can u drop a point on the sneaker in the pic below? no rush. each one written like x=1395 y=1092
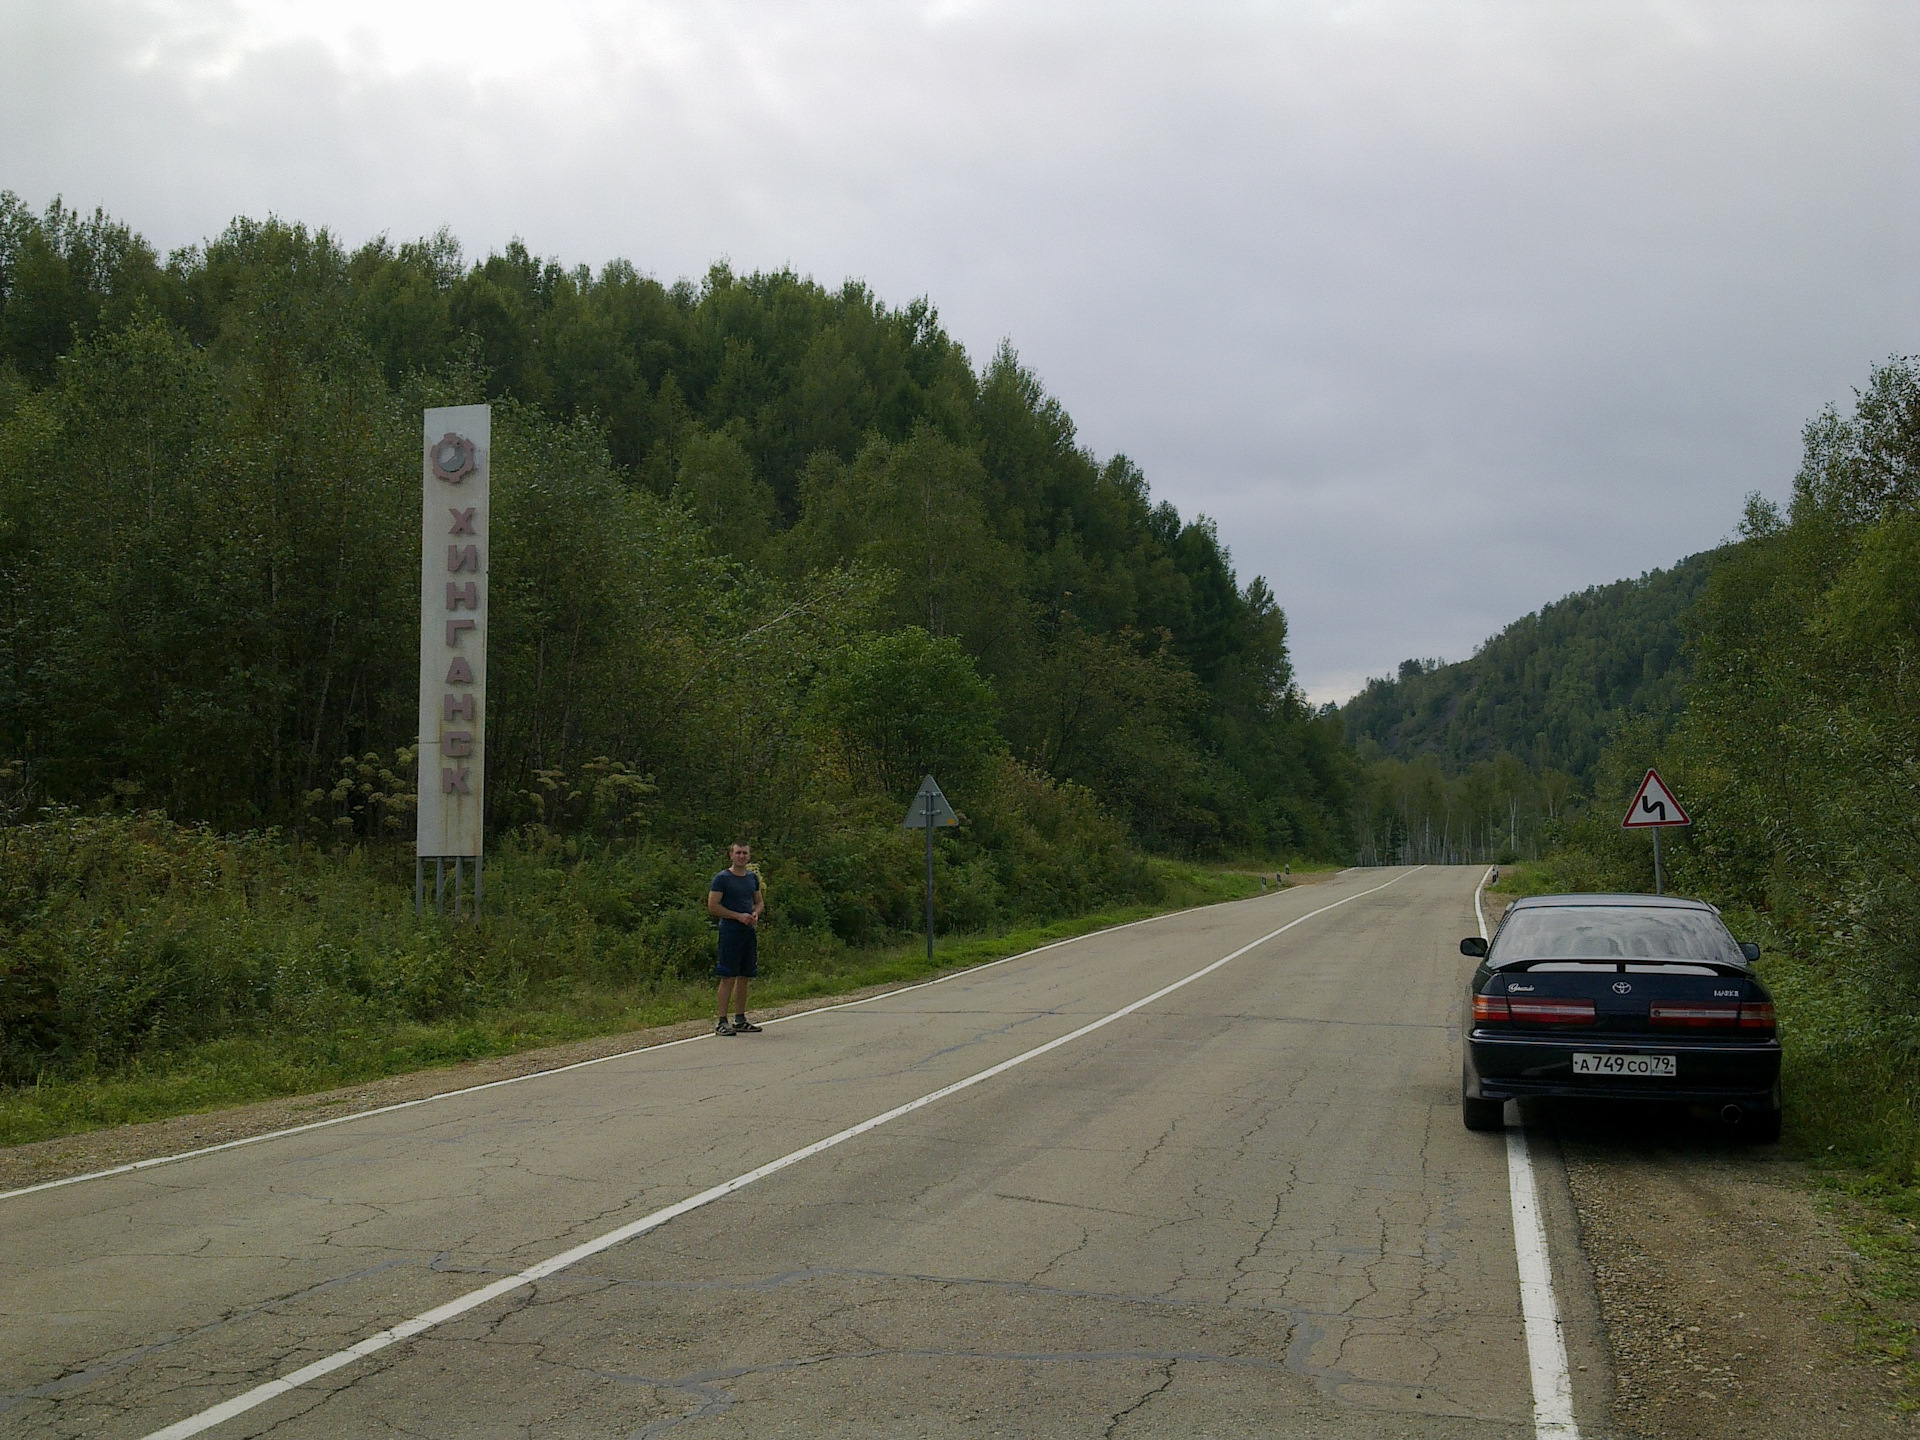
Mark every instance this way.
x=744 y=1026
x=724 y=1027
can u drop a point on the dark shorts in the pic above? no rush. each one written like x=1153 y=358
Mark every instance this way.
x=739 y=952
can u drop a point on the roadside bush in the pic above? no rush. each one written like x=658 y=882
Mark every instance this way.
x=1066 y=852
x=128 y=937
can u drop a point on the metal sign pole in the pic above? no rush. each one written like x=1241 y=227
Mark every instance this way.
x=1654 y=807
x=929 y=812
x=930 y=808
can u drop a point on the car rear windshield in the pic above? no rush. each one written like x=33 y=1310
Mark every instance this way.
x=1613 y=932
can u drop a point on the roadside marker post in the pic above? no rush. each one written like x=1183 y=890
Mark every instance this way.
x=929 y=808
x=1654 y=808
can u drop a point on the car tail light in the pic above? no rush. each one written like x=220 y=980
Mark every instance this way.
x=1694 y=1015
x=1757 y=1015
x=1552 y=1011
x=1490 y=1009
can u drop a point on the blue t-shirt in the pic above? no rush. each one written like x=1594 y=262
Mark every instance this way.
x=736 y=894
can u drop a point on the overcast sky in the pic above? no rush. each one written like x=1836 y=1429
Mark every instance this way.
x=1441 y=310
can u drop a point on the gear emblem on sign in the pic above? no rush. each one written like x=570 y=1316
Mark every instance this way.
x=451 y=458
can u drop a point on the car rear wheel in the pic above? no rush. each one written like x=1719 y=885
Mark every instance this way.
x=1483 y=1114
x=1762 y=1127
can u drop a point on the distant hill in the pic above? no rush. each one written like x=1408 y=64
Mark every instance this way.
x=1550 y=688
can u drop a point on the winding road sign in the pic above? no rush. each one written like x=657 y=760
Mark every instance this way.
x=1654 y=806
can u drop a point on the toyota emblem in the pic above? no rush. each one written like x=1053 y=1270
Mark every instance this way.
x=1621 y=987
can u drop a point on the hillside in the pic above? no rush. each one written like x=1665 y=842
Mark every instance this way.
x=714 y=497
x=1550 y=688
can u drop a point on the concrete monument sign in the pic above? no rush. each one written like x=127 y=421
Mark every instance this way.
x=453 y=633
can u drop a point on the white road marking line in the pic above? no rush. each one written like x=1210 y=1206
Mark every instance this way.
x=1539 y=1308
x=260 y=1394
x=1546 y=1347
x=148 y=1164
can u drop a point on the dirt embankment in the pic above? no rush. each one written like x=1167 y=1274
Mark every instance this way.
x=1729 y=1293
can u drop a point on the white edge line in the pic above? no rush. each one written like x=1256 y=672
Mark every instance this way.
x=260 y=1394
x=148 y=1164
x=1539 y=1308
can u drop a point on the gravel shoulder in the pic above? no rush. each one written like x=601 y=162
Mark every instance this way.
x=1726 y=1285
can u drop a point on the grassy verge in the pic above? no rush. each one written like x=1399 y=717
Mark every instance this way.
x=239 y=1068
x=1879 y=1223
x=1849 y=1112
x=1529 y=877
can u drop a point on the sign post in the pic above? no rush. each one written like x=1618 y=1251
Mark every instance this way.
x=456 y=466
x=1654 y=808
x=929 y=808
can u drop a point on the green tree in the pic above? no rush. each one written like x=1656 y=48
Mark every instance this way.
x=916 y=509
x=717 y=484
x=835 y=469
x=907 y=704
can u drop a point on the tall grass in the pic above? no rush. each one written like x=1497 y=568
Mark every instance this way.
x=154 y=969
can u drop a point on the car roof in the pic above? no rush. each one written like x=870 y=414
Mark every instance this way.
x=1652 y=902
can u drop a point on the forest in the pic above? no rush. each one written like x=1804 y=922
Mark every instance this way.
x=1482 y=759
x=1551 y=688
x=764 y=554
x=713 y=499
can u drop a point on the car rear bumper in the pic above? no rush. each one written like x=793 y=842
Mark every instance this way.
x=1503 y=1067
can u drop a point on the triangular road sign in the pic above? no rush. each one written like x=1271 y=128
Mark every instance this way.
x=917 y=812
x=1654 y=806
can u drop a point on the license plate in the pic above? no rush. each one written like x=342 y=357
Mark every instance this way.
x=1655 y=1065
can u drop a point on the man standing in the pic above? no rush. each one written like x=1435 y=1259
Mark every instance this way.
x=736 y=898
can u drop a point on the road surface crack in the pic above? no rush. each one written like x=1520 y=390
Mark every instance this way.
x=1119 y=1418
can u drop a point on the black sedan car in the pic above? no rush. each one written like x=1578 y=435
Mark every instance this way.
x=1619 y=997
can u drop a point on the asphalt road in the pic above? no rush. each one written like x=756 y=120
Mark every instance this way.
x=1247 y=1208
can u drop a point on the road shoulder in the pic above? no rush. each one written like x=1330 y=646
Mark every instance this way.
x=62 y=1156
x=87 y=1151
x=1726 y=1287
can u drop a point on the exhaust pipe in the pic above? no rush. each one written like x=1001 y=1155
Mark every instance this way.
x=1731 y=1114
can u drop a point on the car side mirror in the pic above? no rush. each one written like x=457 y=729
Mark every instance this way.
x=1475 y=946
x=1749 y=949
